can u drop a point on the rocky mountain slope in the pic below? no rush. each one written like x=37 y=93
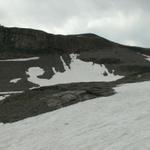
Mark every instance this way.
x=41 y=72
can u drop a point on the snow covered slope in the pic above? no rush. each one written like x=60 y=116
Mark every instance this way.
x=79 y=71
x=118 y=122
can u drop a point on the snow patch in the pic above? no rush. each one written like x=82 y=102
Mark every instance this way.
x=21 y=59
x=15 y=80
x=3 y=97
x=79 y=71
x=11 y=92
x=147 y=57
x=35 y=71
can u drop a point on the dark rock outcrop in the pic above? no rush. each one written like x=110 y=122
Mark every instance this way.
x=38 y=101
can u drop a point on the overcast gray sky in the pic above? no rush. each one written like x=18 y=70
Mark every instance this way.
x=123 y=21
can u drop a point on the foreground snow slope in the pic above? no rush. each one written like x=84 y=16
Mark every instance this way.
x=118 y=122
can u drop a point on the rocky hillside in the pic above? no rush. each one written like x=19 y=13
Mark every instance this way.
x=41 y=72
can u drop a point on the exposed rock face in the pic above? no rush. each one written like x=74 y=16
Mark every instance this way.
x=21 y=40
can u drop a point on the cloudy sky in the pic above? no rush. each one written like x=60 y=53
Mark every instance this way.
x=123 y=21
